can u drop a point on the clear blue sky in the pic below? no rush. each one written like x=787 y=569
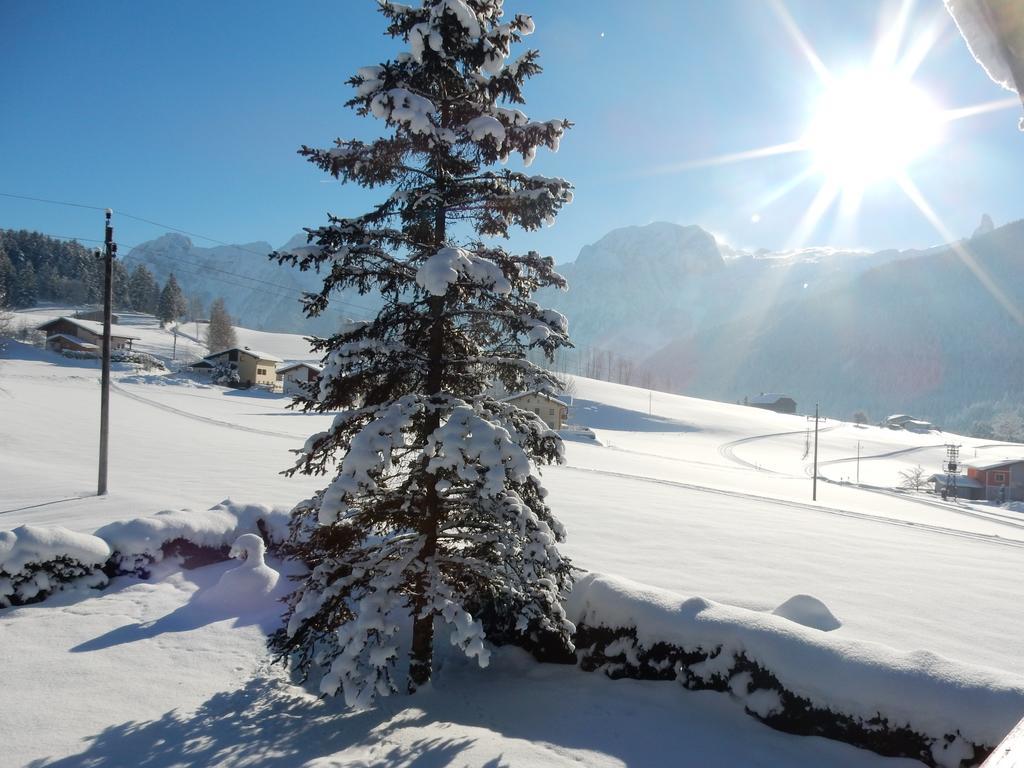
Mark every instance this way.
x=189 y=113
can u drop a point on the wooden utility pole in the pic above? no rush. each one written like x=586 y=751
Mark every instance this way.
x=109 y=249
x=817 y=419
x=858 y=462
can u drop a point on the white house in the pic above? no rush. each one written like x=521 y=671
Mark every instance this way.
x=253 y=367
x=552 y=411
x=292 y=375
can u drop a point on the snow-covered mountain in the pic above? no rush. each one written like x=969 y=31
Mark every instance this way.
x=935 y=333
x=259 y=293
x=638 y=288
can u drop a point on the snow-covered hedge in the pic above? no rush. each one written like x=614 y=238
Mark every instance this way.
x=37 y=561
x=794 y=678
x=200 y=537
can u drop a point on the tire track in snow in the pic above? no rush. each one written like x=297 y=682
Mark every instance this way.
x=923 y=527
x=196 y=417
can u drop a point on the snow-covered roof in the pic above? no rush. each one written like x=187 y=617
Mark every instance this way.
x=961 y=481
x=91 y=326
x=247 y=351
x=767 y=398
x=545 y=395
x=993 y=463
x=73 y=339
x=300 y=364
x=204 y=363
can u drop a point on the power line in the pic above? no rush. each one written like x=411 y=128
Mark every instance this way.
x=168 y=227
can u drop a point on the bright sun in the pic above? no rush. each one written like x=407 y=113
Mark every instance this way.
x=870 y=127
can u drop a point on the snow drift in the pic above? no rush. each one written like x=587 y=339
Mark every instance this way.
x=796 y=678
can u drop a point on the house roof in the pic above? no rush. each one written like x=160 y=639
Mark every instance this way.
x=545 y=395
x=91 y=326
x=300 y=364
x=993 y=463
x=961 y=481
x=204 y=363
x=73 y=339
x=247 y=351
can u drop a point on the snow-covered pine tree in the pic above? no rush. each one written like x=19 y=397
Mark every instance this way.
x=437 y=513
x=172 y=305
x=220 y=333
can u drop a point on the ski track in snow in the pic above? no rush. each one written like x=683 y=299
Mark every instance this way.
x=196 y=417
x=728 y=450
x=923 y=527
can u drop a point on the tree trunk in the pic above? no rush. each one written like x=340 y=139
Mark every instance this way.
x=421 y=653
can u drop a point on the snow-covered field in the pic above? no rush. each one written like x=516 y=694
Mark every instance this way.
x=698 y=497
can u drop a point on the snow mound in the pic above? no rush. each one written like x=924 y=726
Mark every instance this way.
x=926 y=692
x=251 y=582
x=35 y=544
x=145 y=537
x=35 y=561
x=808 y=611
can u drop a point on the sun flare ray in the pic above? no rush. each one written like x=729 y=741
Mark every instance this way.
x=962 y=251
x=732 y=157
x=797 y=35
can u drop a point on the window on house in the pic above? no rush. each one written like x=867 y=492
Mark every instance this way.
x=998 y=477
x=233 y=355
x=551 y=411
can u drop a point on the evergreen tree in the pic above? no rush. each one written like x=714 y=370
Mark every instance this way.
x=143 y=291
x=120 y=286
x=220 y=333
x=6 y=275
x=172 y=303
x=23 y=286
x=436 y=511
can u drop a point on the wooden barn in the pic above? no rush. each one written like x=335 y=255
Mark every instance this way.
x=74 y=334
x=772 y=401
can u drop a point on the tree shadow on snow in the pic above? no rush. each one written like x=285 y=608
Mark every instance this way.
x=263 y=724
x=543 y=709
x=589 y=413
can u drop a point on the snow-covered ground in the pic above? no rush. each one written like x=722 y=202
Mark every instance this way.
x=698 y=497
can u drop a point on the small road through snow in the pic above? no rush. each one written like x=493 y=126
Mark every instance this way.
x=196 y=417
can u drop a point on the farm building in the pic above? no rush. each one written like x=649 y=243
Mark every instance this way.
x=552 y=411
x=909 y=423
x=966 y=487
x=73 y=334
x=1001 y=479
x=772 y=401
x=254 y=368
x=292 y=375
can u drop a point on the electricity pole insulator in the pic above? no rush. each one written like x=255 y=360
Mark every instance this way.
x=109 y=249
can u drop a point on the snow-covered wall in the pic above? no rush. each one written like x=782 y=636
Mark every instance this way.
x=795 y=678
